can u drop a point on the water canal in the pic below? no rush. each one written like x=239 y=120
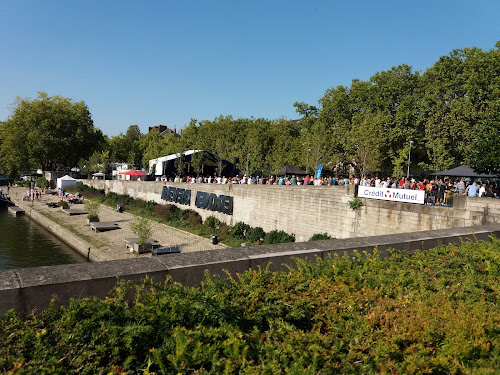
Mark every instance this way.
x=24 y=243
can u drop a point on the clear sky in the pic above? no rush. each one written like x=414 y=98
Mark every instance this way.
x=164 y=62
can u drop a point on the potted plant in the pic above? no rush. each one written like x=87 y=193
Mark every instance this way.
x=63 y=204
x=142 y=229
x=92 y=207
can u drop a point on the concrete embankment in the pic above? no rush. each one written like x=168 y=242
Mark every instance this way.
x=108 y=245
x=76 y=242
x=31 y=290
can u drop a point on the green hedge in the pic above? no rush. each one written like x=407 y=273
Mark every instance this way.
x=432 y=312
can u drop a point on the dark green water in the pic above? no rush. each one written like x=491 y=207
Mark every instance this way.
x=24 y=243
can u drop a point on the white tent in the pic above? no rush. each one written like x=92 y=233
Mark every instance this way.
x=64 y=182
x=159 y=162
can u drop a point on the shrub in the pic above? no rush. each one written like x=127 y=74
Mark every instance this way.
x=42 y=183
x=320 y=236
x=150 y=206
x=239 y=230
x=355 y=203
x=142 y=229
x=212 y=222
x=223 y=231
x=278 y=237
x=192 y=217
x=166 y=212
x=63 y=204
x=92 y=207
x=255 y=235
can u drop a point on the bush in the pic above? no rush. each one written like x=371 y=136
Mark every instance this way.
x=223 y=231
x=192 y=217
x=212 y=222
x=255 y=235
x=320 y=236
x=142 y=229
x=275 y=236
x=92 y=207
x=150 y=206
x=239 y=230
x=42 y=183
x=435 y=311
x=355 y=203
x=63 y=204
x=166 y=212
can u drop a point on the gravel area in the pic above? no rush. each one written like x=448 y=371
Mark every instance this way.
x=111 y=243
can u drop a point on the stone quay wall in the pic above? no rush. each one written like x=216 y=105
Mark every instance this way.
x=307 y=210
x=30 y=290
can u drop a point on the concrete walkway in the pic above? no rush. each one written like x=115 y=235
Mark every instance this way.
x=110 y=245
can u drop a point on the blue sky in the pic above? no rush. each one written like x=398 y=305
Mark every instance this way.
x=164 y=62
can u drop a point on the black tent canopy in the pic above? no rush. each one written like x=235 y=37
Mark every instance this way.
x=291 y=169
x=463 y=171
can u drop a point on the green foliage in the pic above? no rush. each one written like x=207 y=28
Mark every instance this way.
x=192 y=217
x=255 y=235
x=435 y=311
x=42 y=183
x=142 y=228
x=167 y=212
x=319 y=237
x=63 y=204
x=92 y=207
x=275 y=236
x=355 y=203
x=212 y=222
x=239 y=230
x=47 y=132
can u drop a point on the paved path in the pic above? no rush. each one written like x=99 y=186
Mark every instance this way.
x=111 y=244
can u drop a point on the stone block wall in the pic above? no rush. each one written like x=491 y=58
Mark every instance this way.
x=307 y=210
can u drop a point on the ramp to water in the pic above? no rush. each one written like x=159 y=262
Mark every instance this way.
x=16 y=210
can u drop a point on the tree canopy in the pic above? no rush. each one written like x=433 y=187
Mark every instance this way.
x=47 y=133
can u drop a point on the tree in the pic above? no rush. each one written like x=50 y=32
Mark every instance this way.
x=47 y=133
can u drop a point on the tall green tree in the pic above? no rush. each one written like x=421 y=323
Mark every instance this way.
x=47 y=133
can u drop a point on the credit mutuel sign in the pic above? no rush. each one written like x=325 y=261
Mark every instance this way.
x=394 y=195
x=206 y=201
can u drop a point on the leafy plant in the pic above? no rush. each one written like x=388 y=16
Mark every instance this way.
x=255 y=235
x=355 y=203
x=239 y=230
x=92 y=207
x=212 y=222
x=42 y=183
x=319 y=237
x=142 y=228
x=276 y=236
x=63 y=204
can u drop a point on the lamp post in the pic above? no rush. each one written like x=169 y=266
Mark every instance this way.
x=409 y=158
x=307 y=165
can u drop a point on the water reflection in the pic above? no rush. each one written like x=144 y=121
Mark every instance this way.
x=24 y=243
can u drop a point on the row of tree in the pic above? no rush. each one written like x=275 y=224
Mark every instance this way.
x=448 y=115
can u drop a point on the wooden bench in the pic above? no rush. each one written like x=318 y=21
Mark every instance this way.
x=129 y=242
x=165 y=250
x=101 y=226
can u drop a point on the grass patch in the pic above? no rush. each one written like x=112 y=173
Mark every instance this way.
x=71 y=228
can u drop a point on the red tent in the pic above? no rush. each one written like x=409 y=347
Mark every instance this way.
x=134 y=172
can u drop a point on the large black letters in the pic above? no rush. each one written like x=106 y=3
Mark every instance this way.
x=176 y=195
x=205 y=201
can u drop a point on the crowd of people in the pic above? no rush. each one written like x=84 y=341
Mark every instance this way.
x=439 y=190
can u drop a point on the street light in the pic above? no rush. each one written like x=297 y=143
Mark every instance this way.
x=409 y=158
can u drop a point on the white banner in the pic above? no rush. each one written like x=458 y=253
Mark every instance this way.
x=395 y=195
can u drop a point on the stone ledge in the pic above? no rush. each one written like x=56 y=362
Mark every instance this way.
x=31 y=289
